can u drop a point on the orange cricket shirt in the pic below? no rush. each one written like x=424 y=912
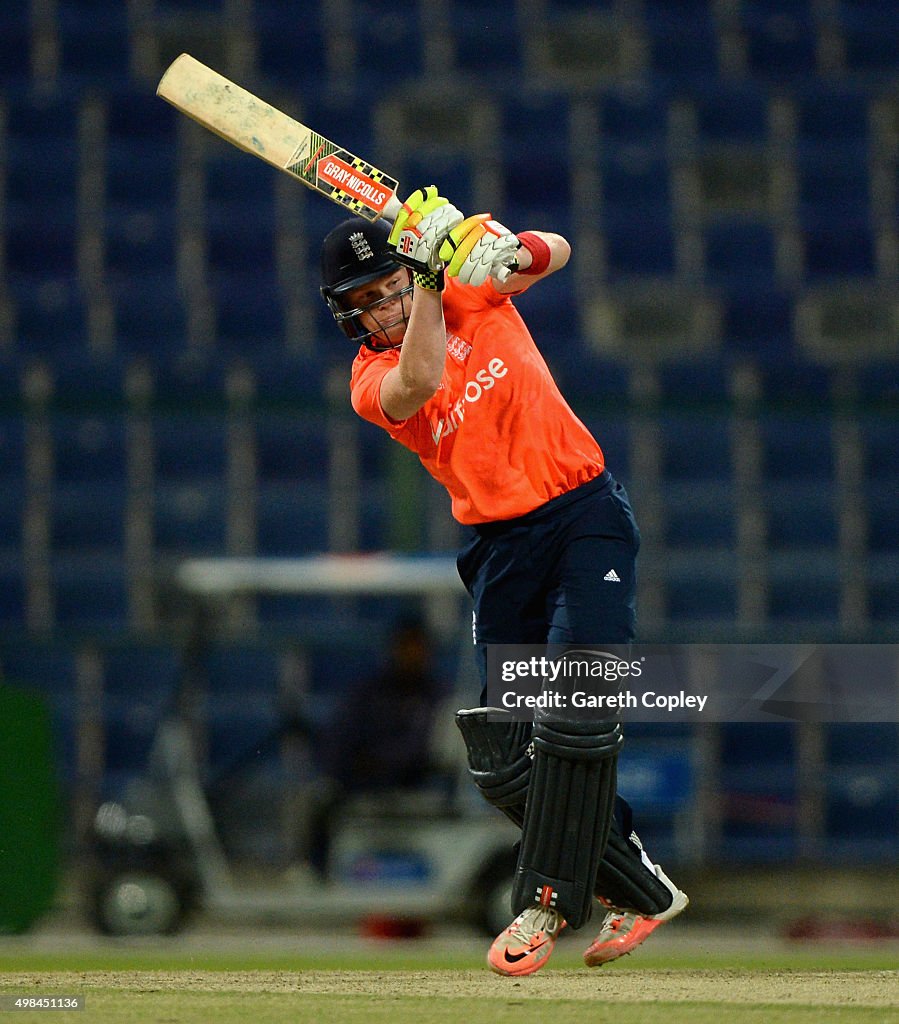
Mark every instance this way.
x=497 y=433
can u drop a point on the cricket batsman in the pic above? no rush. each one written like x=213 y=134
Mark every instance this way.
x=447 y=367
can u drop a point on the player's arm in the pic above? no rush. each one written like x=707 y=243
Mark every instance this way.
x=539 y=254
x=407 y=386
x=481 y=247
x=421 y=226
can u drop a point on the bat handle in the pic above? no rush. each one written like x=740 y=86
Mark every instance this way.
x=392 y=208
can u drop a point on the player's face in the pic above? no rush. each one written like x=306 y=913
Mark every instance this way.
x=385 y=309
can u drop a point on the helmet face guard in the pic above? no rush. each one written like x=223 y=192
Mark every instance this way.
x=354 y=254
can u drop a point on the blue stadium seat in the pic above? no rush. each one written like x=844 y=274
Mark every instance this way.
x=883 y=602
x=150 y=316
x=139 y=684
x=781 y=43
x=535 y=174
x=94 y=45
x=89 y=447
x=830 y=117
x=833 y=189
x=41 y=242
x=683 y=43
x=291 y=447
x=634 y=114
x=641 y=248
x=801 y=514
x=804 y=588
x=12 y=448
x=189 y=517
x=880 y=440
x=700 y=596
x=699 y=515
x=51 y=314
x=635 y=187
x=730 y=112
x=89 y=515
x=13 y=609
x=188 y=380
x=691 y=449
x=453 y=170
x=90 y=591
x=291 y=52
x=249 y=310
x=292 y=518
x=39 y=124
x=758 y=321
x=15 y=48
x=242 y=700
x=797 y=447
x=839 y=250
x=241 y=241
x=488 y=41
x=141 y=197
x=740 y=253
x=759 y=790
x=883 y=524
x=190 y=445
x=869 y=36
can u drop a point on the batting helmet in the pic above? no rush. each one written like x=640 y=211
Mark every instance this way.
x=354 y=253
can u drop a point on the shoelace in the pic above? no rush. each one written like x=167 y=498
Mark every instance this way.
x=535 y=919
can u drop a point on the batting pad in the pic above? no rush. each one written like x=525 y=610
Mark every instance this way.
x=567 y=816
x=624 y=880
x=498 y=760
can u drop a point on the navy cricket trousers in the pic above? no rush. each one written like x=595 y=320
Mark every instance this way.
x=564 y=573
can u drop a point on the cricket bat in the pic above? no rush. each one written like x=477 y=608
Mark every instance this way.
x=255 y=126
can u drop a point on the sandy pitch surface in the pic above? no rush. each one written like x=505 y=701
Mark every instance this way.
x=817 y=988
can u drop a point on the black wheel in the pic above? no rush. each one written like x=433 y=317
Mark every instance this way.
x=137 y=902
x=491 y=895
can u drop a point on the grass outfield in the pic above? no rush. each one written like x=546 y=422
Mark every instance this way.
x=429 y=982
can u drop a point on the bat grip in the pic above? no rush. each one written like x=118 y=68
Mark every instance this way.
x=391 y=209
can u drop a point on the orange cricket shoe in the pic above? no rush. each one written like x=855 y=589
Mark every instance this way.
x=525 y=946
x=623 y=930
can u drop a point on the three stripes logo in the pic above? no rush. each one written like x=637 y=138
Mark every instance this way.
x=612 y=577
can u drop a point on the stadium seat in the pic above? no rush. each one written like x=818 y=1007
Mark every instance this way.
x=290 y=447
x=94 y=46
x=189 y=517
x=634 y=114
x=13 y=609
x=292 y=518
x=139 y=685
x=801 y=514
x=189 y=445
x=89 y=515
x=89 y=447
x=682 y=42
x=780 y=42
x=690 y=450
x=249 y=309
x=150 y=316
x=740 y=254
x=90 y=592
x=797 y=447
x=699 y=515
x=804 y=588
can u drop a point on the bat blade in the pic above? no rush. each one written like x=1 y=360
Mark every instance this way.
x=258 y=128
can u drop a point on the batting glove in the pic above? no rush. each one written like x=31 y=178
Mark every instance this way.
x=479 y=248
x=422 y=224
